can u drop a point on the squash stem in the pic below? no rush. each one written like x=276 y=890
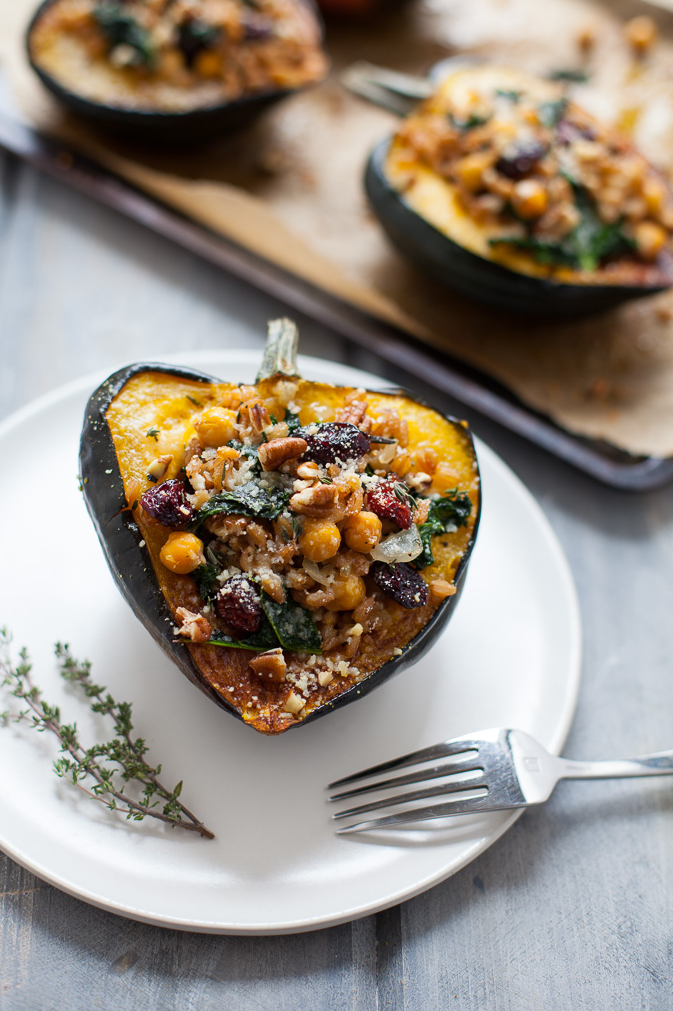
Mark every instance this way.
x=280 y=353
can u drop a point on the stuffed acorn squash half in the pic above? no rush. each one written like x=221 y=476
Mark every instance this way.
x=290 y=545
x=511 y=194
x=175 y=71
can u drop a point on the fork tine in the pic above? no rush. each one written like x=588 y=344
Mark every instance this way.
x=443 y=790
x=442 y=750
x=451 y=769
x=475 y=805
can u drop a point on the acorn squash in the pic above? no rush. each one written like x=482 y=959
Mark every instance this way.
x=168 y=73
x=509 y=193
x=290 y=545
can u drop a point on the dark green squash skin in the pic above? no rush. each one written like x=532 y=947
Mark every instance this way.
x=474 y=276
x=134 y=574
x=165 y=128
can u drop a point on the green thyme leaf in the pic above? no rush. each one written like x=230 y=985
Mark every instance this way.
x=105 y=768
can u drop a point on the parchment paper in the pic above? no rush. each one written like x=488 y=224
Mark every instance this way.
x=289 y=188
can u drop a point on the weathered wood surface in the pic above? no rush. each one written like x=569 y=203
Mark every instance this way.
x=572 y=909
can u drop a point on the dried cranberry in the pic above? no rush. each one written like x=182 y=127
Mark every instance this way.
x=391 y=500
x=335 y=440
x=167 y=502
x=519 y=161
x=238 y=605
x=402 y=583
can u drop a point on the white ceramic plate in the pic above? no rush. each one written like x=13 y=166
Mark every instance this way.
x=509 y=657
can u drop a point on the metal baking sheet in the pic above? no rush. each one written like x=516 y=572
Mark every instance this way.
x=472 y=388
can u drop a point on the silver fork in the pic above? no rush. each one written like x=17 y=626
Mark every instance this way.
x=491 y=770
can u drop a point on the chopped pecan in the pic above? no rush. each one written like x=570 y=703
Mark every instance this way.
x=355 y=413
x=390 y=424
x=270 y=664
x=274 y=454
x=422 y=510
x=293 y=704
x=441 y=588
x=193 y=626
x=158 y=467
x=420 y=482
x=318 y=501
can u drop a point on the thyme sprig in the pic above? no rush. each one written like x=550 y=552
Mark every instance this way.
x=104 y=768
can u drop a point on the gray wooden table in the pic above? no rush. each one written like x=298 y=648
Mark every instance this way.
x=571 y=909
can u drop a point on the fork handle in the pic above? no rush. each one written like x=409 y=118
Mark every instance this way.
x=659 y=764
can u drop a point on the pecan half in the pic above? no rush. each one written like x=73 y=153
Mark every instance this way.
x=254 y=417
x=317 y=502
x=274 y=454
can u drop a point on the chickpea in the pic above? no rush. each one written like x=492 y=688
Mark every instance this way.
x=319 y=539
x=363 y=532
x=650 y=240
x=640 y=33
x=402 y=463
x=182 y=553
x=470 y=169
x=529 y=199
x=216 y=426
x=586 y=37
x=654 y=193
x=208 y=63
x=349 y=592
x=171 y=65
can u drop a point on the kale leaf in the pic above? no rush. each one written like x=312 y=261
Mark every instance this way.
x=288 y=625
x=293 y=625
x=509 y=94
x=121 y=28
x=551 y=113
x=259 y=642
x=205 y=578
x=248 y=500
x=451 y=511
x=569 y=74
x=467 y=123
x=292 y=421
x=591 y=242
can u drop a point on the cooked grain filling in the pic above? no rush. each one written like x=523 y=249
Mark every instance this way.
x=151 y=51
x=299 y=536
x=558 y=185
